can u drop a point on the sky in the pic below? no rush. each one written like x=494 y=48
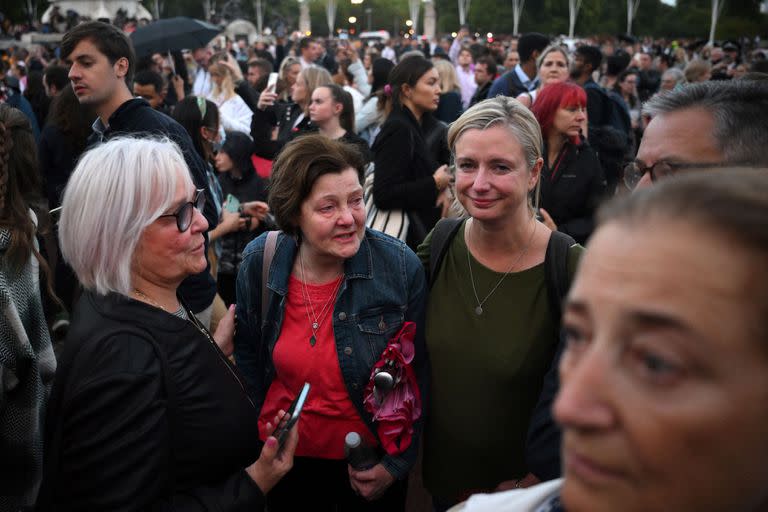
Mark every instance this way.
x=669 y=2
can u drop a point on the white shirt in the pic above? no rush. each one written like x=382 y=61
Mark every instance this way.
x=234 y=113
x=202 y=84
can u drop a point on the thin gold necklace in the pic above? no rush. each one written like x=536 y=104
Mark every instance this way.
x=149 y=299
x=316 y=320
x=479 y=308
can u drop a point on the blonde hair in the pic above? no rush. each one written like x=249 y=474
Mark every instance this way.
x=116 y=191
x=314 y=77
x=509 y=113
x=227 y=88
x=449 y=82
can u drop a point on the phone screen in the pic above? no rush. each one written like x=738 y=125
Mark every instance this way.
x=272 y=81
x=281 y=432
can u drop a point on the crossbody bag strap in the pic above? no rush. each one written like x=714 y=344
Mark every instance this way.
x=556 y=271
x=269 y=254
x=442 y=234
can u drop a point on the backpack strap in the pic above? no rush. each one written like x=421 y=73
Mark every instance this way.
x=556 y=271
x=442 y=234
x=269 y=254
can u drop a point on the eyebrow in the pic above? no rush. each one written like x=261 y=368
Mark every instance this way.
x=643 y=318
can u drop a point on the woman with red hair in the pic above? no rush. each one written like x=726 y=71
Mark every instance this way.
x=572 y=182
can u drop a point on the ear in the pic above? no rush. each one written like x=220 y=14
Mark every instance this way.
x=337 y=108
x=121 y=67
x=533 y=179
x=405 y=91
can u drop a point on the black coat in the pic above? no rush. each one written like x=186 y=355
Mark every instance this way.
x=572 y=187
x=403 y=172
x=248 y=188
x=146 y=414
x=481 y=93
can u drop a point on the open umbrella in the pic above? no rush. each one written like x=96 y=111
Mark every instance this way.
x=172 y=34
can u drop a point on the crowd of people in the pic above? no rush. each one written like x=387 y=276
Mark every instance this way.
x=538 y=266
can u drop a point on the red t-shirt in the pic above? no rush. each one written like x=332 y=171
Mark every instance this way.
x=328 y=413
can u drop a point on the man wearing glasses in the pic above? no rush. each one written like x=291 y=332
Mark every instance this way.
x=701 y=126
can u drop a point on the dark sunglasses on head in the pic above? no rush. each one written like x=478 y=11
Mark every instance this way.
x=186 y=212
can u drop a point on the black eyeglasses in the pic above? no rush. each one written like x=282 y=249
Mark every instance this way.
x=186 y=212
x=635 y=171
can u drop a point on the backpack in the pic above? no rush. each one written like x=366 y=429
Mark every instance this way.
x=611 y=137
x=555 y=261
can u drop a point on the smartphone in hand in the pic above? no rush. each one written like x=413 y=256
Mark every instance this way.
x=294 y=411
x=272 y=82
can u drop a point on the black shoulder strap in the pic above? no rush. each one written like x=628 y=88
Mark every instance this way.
x=442 y=234
x=556 y=271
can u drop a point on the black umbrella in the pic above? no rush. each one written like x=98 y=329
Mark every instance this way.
x=172 y=34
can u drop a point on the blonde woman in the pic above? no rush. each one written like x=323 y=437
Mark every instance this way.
x=291 y=119
x=235 y=114
x=289 y=71
x=492 y=327
x=450 y=108
x=552 y=68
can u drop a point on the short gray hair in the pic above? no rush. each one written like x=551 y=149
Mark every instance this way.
x=675 y=74
x=739 y=109
x=549 y=49
x=116 y=191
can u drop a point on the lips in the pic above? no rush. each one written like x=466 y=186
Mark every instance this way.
x=482 y=203
x=79 y=89
x=588 y=469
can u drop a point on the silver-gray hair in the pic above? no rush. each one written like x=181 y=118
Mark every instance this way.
x=675 y=74
x=116 y=191
x=739 y=109
x=549 y=49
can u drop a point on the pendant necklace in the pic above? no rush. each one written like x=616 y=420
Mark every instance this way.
x=315 y=320
x=479 y=308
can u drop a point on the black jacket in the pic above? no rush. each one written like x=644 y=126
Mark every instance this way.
x=248 y=188
x=282 y=117
x=572 y=188
x=135 y=117
x=57 y=156
x=481 y=93
x=403 y=172
x=146 y=414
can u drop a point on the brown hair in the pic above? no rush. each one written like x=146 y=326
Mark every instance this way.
x=297 y=168
x=20 y=186
x=731 y=202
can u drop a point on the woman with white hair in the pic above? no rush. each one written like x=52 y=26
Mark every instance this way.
x=146 y=410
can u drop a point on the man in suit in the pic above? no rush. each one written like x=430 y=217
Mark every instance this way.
x=522 y=78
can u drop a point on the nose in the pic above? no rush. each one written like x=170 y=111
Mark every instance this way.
x=581 y=114
x=583 y=402
x=345 y=217
x=199 y=222
x=73 y=72
x=481 y=183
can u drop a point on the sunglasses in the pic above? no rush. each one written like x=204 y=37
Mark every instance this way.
x=186 y=212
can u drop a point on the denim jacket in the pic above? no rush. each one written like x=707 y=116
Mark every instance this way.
x=384 y=286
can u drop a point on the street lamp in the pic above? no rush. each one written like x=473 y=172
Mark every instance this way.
x=352 y=20
x=408 y=23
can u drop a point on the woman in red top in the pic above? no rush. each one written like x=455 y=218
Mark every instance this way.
x=336 y=295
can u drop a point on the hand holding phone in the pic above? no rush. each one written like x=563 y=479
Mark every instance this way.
x=272 y=82
x=293 y=413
